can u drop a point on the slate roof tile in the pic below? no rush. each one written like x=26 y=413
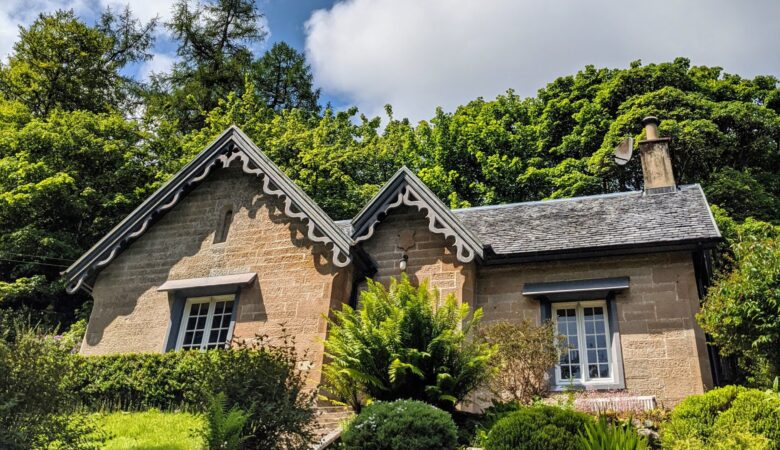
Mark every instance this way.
x=621 y=219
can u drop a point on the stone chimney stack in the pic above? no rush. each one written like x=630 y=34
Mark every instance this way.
x=656 y=161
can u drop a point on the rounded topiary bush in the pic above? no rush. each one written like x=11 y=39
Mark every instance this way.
x=401 y=425
x=718 y=417
x=695 y=416
x=537 y=428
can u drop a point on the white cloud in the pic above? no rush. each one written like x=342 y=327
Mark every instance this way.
x=159 y=63
x=419 y=54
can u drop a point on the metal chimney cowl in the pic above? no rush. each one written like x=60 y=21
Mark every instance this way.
x=656 y=160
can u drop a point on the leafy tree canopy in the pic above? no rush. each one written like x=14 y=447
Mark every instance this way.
x=64 y=181
x=60 y=62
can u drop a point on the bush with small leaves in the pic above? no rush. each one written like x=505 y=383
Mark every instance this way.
x=401 y=425
x=729 y=417
x=537 y=428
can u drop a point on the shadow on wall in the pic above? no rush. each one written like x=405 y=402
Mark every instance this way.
x=178 y=246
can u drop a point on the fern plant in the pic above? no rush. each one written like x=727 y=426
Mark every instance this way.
x=225 y=430
x=405 y=343
x=605 y=435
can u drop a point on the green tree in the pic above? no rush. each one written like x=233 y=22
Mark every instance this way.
x=283 y=78
x=65 y=180
x=60 y=62
x=215 y=56
x=404 y=343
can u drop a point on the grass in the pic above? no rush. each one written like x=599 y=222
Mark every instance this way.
x=150 y=430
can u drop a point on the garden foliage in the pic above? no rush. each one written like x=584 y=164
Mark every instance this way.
x=525 y=354
x=538 y=428
x=406 y=343
x=401 y=425
x=605 y=435
x=260 y=379
x=225 y=427
x=36 y=402
x=742 y=309
x=725 y=417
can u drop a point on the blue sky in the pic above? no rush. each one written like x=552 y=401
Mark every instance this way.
x=420 y=54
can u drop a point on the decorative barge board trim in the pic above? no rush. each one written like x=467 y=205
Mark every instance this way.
x=232 y=145
x=404 y=188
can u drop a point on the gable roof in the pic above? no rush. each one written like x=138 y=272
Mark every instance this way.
x=631 y=222
x=232 y=145
x=628 y=220
x=404 y=188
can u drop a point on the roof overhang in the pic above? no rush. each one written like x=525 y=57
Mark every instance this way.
x=492 y=258
x=577 y=289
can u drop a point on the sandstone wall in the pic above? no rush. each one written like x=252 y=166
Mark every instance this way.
x=296 y=283
x=664 y=351
x=431 y=257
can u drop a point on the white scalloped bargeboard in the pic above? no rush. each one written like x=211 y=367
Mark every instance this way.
x=313 y=233
x=407 y=196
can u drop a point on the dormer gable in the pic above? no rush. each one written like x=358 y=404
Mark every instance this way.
x=405 y=188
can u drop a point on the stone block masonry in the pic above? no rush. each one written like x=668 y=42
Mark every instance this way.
x=296 y=282
x=664 y=350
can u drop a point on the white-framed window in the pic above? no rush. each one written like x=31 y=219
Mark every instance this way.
x=205 y=323
x=587 y=355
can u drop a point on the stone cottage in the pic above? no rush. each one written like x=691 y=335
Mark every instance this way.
x=231 y=248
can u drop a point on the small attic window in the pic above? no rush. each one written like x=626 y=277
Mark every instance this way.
x=224 y=226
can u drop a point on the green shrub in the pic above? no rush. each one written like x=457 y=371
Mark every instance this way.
x=36 y=406
x=225 y=426
x=401 y=425
x=404 y=343
x=525 y=354
x=695 y=416
x=260 y=379
x=605 y=435
x=724 y=418
x=753 y=411
x=537 y=428
x=741 y=310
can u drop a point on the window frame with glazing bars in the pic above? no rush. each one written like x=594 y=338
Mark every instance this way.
x=208 y=327
x=585 y=379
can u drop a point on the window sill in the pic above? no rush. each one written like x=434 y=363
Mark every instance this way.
x=596 y=386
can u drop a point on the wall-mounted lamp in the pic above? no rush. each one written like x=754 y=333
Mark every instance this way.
x=402 y=263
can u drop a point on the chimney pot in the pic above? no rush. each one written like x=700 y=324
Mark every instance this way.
x=651 y=127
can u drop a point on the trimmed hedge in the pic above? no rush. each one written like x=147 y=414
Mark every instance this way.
x=263 y=381
x=723 y=416
x=537 y=428
x=401 y=425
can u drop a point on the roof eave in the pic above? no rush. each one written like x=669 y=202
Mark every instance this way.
x=602 y=251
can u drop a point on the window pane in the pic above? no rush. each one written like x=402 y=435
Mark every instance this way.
x=597 y=342
x=567 y=327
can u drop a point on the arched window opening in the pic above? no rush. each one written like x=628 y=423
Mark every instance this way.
x=224 y=227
